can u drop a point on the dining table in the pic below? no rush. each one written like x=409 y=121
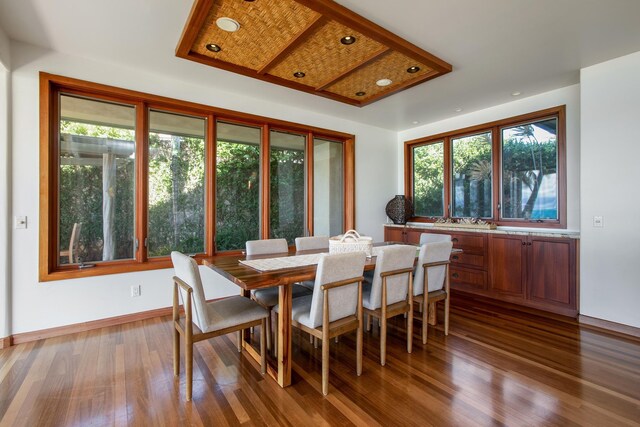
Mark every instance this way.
x=232 y=267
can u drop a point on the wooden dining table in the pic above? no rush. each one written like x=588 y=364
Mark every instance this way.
x=248 y=279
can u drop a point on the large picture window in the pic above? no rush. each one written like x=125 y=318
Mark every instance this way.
x=128 y=177
x=510 y=172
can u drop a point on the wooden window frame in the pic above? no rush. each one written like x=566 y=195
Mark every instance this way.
x=50 y=88
x=495 y=128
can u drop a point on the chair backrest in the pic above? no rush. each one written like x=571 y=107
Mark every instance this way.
x=267 y=246
x=433 y=238
x=431 y=252
x=312 y=243
x=391 y=258
x=343 y=300
x=74 y=253
x=187 y=270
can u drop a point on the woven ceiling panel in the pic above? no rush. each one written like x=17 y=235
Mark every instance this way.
x=392 y=66
x=323 y=56
x=278 y=38
x=266 y=27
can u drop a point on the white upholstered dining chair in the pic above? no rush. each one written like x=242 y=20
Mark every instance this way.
x=204 y=320
x=390 y=291
x=310 y=244
x=431 y=281
x=433 y=238
x=335 y=307
x=268 y=298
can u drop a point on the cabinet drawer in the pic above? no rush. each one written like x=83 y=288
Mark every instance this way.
x=468 y=259
x=467 y=278
x=467 y=243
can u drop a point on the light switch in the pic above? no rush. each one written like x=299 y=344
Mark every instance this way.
x=21 y=222
x=598 y=221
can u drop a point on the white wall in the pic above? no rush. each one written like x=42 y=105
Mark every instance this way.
x=610 y=154
x=569 y=96
x=5 y=167
x=44 y=305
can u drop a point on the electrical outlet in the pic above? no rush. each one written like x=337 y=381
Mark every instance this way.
x=598 y=221
x=136 y=291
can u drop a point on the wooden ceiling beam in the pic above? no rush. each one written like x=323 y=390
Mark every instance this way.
x=375 y=56
x=197 y=16
x=300 y=38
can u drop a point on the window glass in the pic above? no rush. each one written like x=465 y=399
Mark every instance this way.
x=428 y=179
x=96 y=181
x=287 y=190
x=176 y=184
x=328 y=188
x=529 y=171
x=237 y=185
x=471 y=179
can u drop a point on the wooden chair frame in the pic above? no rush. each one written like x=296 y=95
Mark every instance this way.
x=385 y=312
x=193 y=334
x=427 y=300
x=330 y=330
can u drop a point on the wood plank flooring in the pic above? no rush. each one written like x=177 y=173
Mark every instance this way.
x=497 y=367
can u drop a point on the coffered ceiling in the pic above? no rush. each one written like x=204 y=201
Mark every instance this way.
x=315 y=46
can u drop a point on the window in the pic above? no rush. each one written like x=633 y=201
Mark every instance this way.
x=428 y=185
x=96 y=207
x=128 y=177
x=328 y=187
x=510 y=172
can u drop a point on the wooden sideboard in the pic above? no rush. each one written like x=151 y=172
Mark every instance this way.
x=530 y=270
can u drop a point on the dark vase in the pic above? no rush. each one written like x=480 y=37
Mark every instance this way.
x=399 y=209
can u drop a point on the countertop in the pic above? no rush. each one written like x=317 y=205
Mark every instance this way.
x=518 y=231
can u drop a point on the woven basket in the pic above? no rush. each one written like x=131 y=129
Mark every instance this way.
x=350 y=241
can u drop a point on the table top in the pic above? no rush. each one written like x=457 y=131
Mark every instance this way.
x=230 y=268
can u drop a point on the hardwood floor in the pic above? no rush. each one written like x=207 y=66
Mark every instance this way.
x=496 y=367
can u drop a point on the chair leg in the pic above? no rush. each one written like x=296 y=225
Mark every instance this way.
x=239 y=341
x=325 y=362
x=383 y=340
x=176 y=352
x=263 y=347
x=337 y=339
x=446 y=316
x=267 y=331
x=315 y=342
x=410 y=329
x=188 y=358
x=368 y=320
x=425 y=319
x=359 y=350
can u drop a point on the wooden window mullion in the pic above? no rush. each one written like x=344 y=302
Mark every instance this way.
x=210 y=186
x=142 y=180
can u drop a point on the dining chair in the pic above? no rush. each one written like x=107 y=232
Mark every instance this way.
x=390 y=291
x=335 y=307
x=432 y=238
x=204 y=320
x=310 y=244
x=268 y=298
x=431 y=281
x=72 y=253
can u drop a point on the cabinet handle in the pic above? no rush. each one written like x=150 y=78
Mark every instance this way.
x=455 y=275
x=454 y=240
x=524 y=243
x=454 y=257
x=529 y=244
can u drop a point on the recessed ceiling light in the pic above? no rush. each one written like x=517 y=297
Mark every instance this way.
x=516 y=93
x=361 y=93
x=228 y=24
x=348 y=40
x=213 y=47
x=383 y=82
x=299 y=74
x=458 y=109
x=415 y=122
x=413 y=69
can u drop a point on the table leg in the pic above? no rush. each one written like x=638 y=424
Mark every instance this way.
x=284 y=336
